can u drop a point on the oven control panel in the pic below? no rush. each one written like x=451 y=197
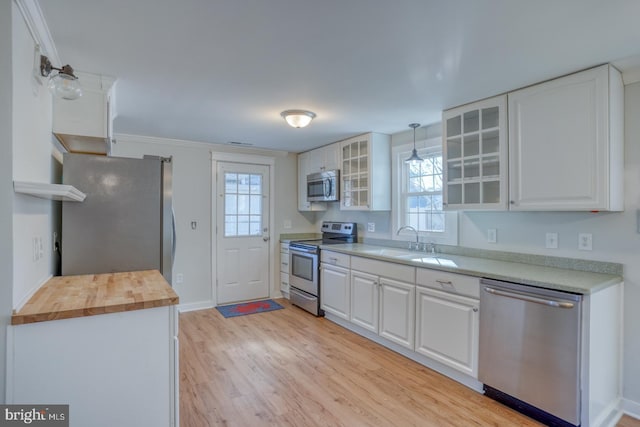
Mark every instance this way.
x=348 y=228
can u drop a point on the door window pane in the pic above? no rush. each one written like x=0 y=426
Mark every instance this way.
x=242 y=204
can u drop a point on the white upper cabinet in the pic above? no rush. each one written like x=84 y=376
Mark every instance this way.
x=84 y=125
x=366 y=173
x=324 y=158
x=304 y=168
x=475 y=153
x=566 y=143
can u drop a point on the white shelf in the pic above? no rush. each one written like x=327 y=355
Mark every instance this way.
x=66 y=193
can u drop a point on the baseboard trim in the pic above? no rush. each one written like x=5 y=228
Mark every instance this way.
x=631 y=408
x=194 y=306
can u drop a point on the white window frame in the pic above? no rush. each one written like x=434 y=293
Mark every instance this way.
x=399 y=154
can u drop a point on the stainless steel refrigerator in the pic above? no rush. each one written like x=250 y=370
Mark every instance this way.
x=126 y=221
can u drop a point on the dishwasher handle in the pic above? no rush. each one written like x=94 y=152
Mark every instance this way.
x=530 y=298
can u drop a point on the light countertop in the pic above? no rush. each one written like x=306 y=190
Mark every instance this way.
x=65 y=297
x=568 y=280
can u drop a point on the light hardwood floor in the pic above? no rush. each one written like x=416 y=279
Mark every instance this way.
x=288 y=368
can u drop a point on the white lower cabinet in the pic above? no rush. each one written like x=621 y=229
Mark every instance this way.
x=447 y=329
x=365 y=300
x=335 y=290
x=383 y=299
x=427 y=315
x=397 y=311
x=116 y=369
x=284 y=269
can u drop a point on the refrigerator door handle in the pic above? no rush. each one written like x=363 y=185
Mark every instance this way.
x=173 y=236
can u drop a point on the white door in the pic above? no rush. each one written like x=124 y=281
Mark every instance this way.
x=242 y=224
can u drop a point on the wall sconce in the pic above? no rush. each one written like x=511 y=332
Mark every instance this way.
x=298 y=118
x=65 y=84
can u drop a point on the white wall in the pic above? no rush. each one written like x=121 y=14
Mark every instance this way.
x=6 y=183
x=32 y=161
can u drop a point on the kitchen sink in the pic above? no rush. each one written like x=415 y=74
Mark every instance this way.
x=433 y=260
x=392 y=253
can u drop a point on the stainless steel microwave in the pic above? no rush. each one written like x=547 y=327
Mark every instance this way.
x=323 y=186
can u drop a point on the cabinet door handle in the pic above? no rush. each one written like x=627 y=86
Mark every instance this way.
x=475 y=309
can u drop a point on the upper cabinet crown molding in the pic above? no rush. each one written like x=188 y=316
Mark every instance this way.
x=566 y=143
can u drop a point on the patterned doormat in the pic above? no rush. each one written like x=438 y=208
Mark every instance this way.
x=234 y=310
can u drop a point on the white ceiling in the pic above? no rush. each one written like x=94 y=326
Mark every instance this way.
x=223 y=70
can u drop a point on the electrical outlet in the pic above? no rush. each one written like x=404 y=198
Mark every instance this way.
x=40 y=248
x=286 y=224
x=34 y=248
x=54 y=242
x=551 y=241
x=179 y=278
x=585 y=241
x=371 y=227
x=492 y=235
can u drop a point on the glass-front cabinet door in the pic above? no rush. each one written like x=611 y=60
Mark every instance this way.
x=355 y=174
x=475 y=155
x=366 y=173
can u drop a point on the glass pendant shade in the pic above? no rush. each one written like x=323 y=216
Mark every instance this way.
x=65 y=86
x=298 y=118
x=414 y=159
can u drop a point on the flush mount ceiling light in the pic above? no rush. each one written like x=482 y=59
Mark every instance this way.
x=65 y=84
x=298 y=118
x=414 y=159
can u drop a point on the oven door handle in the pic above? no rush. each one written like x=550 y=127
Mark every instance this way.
x=303 y=251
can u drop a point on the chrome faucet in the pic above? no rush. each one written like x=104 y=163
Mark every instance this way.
x=408 y=227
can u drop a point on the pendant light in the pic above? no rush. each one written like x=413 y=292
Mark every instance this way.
x=414 y=159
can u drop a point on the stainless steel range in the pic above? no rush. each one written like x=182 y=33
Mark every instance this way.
x=304 y=263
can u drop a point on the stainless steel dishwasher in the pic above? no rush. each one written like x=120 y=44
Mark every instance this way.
x=530 y=350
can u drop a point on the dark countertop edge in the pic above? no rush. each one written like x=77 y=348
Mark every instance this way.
x=606 y=279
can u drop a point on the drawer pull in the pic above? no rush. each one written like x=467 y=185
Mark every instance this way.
x=475 y=309
x=445 y=282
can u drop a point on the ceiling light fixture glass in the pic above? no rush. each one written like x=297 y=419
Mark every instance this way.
x=298 y=118
x=414 y=159
x=63 y=85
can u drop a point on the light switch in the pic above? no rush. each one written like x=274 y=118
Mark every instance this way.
x=492 y=235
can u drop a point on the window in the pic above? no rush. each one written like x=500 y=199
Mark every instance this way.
x=418 y=195
x=422 y=194
x=242 y=204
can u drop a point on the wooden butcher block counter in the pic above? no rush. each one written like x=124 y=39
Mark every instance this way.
x=65 y=297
